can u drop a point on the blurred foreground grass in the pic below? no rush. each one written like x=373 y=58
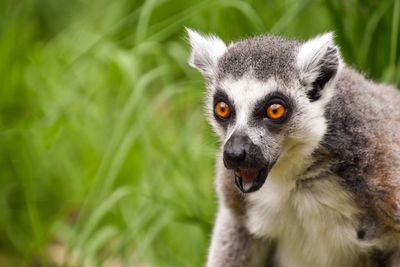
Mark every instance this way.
x=103 y=146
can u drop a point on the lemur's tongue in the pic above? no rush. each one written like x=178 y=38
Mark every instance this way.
x=246 y=178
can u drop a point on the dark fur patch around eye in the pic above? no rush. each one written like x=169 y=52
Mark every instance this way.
x=221 y=96
x=259 y=113
x=327 y=70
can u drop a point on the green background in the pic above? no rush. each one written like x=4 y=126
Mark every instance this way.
x=105 y=154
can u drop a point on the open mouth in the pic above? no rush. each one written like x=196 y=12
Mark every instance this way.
x=250 y=180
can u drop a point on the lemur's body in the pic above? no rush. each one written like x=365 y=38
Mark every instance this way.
x=317 y=187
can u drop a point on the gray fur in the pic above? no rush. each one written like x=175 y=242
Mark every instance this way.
x=363 y=142
x=349 y=176
x=238 y=245
x=267 y=56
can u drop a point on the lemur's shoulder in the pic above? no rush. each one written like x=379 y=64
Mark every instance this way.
x=364 y=139
x=366 y=94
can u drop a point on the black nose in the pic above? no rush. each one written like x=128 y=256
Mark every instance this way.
x=235 y=151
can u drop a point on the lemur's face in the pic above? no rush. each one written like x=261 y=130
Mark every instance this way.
x=256 y=122
x=265 y=100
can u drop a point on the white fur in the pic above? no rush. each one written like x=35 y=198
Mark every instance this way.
x=206 y=50
x=315 y=228
x=311 y=56
x=245 y=93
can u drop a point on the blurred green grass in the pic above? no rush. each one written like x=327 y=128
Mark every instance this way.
x=103 y=144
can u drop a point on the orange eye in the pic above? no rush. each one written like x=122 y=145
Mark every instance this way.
x=222 y=110
x=276 y=111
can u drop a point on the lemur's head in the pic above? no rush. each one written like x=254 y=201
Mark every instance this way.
x=266 y=99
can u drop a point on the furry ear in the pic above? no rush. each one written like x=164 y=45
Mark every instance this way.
x=206 y=50
x=319 y=62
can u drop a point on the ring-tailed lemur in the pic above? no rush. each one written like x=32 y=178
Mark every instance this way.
x=308 y=174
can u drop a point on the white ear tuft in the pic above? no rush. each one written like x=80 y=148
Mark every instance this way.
x=206 y=50
x=319 y=62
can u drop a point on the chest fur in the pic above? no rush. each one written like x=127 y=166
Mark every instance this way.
x=314 y=222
